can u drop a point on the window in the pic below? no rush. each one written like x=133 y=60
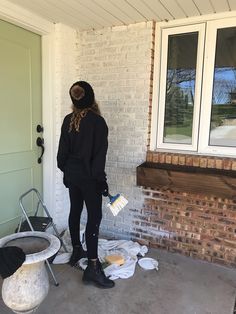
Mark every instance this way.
x=197 y=88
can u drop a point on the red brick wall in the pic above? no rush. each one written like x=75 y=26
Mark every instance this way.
x=192 y=224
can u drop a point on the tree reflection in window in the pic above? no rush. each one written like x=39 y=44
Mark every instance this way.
x=180 y=88
x=223 y=111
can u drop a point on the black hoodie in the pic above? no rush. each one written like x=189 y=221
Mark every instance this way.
x=82 y=155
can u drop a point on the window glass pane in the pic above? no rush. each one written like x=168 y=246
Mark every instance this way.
x=180 y=86
x=223 y=111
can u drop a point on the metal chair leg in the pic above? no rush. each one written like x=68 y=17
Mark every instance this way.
x=59 y=237
x=53 y=276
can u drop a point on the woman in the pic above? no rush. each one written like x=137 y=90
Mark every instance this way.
x=81 y=157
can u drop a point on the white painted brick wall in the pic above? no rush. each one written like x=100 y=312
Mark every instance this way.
x=117 y=62
x=66 y=42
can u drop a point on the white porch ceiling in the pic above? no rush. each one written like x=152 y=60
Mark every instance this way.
x=95 y=14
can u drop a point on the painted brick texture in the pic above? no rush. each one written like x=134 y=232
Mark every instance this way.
x=117 y=62
x=64 y=74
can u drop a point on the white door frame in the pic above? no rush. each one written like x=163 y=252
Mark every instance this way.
x=18 y=16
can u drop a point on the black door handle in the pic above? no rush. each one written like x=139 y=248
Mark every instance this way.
x=40 y=142
x=39 y=128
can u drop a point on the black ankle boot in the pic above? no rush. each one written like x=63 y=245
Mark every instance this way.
x=77 y=254
x=94 y=274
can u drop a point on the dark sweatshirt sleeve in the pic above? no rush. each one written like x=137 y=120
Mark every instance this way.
x=100 y=146
x=11 y=258
x=63 y=148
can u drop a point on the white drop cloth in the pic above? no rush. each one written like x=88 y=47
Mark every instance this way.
x=126 y=248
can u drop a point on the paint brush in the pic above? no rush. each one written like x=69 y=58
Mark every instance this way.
x=116 y=203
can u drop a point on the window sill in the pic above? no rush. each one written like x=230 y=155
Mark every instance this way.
x=207 y=181
x=194 y=153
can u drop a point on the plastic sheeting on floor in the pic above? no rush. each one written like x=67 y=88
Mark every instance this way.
x=128 y=249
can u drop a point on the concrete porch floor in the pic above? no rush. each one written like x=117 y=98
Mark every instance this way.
x=181 y=286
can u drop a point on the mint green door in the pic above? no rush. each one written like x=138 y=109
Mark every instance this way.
x=20 y=113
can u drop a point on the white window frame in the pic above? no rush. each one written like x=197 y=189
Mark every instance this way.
x=207 y=28
x=208 y=77
x=200 y=28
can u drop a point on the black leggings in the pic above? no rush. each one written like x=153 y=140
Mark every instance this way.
x=93 y=200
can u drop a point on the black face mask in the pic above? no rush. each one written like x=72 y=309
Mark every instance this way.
x=87 y=100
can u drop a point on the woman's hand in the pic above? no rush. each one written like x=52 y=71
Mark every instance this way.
x=103 y=188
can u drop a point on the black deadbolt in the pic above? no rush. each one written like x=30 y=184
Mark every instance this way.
x=39 y=128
